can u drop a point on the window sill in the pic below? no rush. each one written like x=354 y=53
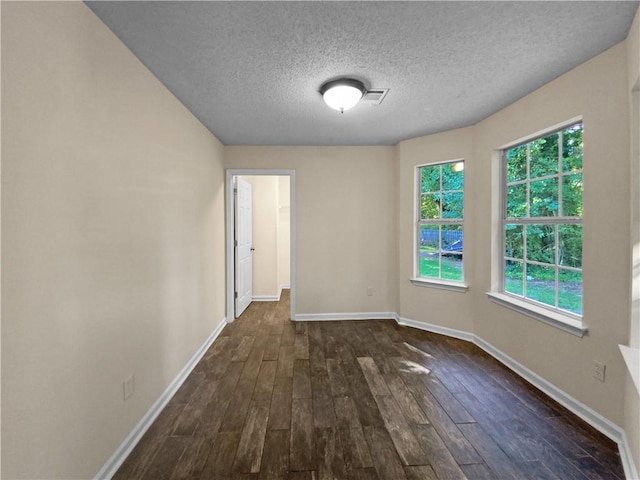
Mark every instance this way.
x=442 y=284
x=632 y=359
x=558 y=320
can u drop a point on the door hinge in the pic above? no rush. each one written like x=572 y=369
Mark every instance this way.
x=236 y=243
x=235 y=294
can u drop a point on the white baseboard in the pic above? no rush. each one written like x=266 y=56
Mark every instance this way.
x=593 y=418
x=270 y=298
x=312 y=317
x=450 y=332
x=580 y=409
x=265 y=298
x=122 y=452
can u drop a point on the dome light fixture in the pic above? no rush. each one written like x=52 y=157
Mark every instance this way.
x=342 y=94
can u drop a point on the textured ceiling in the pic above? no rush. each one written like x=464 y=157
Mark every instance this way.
x=251 y=71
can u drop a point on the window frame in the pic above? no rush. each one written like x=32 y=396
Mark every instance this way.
x=550 y=314
x=442 y=283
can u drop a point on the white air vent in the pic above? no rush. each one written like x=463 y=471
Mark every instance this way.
x=375 y=96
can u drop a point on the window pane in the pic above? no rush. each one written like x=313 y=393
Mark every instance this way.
x=429 y=251
x=430 y=179
x=441 y=197
x=541 y=284
x=430 y=206
x=572 y=148
x=541 y=240
x=572 y=195
x=517 y=164
x=543 y=251
x=452 y=267
x=570 y=245
x=452 y=205
x=543 y=201
x=517 y=200
x=570 y=291
x=453 y=176
x=513 y=241
x=513 y=277
x=451 y=261
x=451 y=238
x=543 y=156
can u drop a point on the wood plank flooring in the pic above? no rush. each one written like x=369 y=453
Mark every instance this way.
x=276 y=399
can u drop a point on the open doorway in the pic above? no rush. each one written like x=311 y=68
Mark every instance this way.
x=260 y=237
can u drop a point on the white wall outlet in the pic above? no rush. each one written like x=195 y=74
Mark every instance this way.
x=370 y=291
x=599 y=370
x=129 y=386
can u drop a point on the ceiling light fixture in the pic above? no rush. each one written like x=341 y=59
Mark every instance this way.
x=342 y=94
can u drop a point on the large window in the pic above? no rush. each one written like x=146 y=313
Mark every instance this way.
x=440 y=221
x=542 y=220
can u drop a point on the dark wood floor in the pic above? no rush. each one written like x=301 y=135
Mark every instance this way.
x=275 y=399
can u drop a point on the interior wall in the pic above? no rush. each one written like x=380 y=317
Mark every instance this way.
x=428 y=304
x=632 y=394
x=597 y=91
x=112 y=239
x=345 y=209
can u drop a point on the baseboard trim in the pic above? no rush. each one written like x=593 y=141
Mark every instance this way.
x=270 y=298
x=593 y=418
x=605 y=426
x=265 y=298
x=314 y=317
x=428 y=327
x=110 y=468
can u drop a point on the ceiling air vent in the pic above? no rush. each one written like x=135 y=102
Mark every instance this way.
x=375 y=96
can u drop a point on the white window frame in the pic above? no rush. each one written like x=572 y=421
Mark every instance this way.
x=562 y=319
x=452 y=285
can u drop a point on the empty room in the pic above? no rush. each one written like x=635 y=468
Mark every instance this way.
x=320 y=240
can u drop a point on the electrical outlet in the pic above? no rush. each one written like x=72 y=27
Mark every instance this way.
x=370 y=291
x=129 y=386
x=599 y=370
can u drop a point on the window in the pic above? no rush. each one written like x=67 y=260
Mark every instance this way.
x=440 y=221
x=542 y=221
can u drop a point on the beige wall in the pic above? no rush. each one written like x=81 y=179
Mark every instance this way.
x=427 y=304
x=345 y=214
x=112 y=239
x=632 y=397
x=597 y=91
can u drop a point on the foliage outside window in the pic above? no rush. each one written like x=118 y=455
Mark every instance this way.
x=440 y=221
x=542 y=220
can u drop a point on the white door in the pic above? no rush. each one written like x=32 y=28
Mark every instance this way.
x=243 y=246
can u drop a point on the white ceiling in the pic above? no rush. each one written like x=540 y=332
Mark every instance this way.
x=251 y=71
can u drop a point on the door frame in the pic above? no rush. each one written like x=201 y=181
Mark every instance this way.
x=229 y=232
